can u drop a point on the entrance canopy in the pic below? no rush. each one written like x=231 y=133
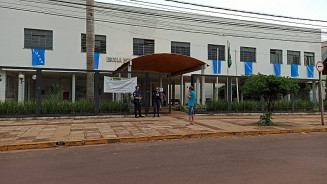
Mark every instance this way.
x=174 y=64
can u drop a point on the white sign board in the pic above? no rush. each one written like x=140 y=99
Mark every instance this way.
x=119 y=85
x=320 y=66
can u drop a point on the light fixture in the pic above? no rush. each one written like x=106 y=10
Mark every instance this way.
x=33 y=77
x=21 y=77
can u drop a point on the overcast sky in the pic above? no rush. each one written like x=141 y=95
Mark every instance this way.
x=311 y=9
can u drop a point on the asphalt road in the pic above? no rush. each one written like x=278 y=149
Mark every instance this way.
x=277 y=159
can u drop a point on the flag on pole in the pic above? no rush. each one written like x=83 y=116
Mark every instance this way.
x=229 y=55
x=216 y=66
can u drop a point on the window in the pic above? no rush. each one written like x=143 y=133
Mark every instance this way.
x=212 y=52
x=100 y=44
x=182 y=48
x=38 y=39
x=293 y=57
x=143 y=47
x=248 y=54
x=276 y=56
x=309 y=58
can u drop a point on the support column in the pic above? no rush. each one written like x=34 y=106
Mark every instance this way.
x=130 y=69
x=184 y=93
x=21 y=87
x=181 y=91
x=198 y=90
x=73 y=88
x=3 y=81
x=214 y=91
x=203 y=93
x=217 y=89
x=160 y=82
x=118 y=95
x=173 y=89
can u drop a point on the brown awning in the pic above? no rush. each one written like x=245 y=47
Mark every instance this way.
x=174 y=64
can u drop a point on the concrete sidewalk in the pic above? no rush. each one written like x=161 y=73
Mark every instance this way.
x=29 y=133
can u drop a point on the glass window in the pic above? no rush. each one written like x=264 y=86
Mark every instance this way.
x=248 y=54
x=182 y=48
x=143 y=47
x=212 y=52
x=309 y=58
x=99 y=44
x=293 y=57
x=276 y=56
x=38 y=39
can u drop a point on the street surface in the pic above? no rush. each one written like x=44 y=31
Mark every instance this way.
x=275 y=159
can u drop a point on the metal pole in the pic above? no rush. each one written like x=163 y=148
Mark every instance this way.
x=237 y=92
x=96 y=93
x=321 y=103
x=38 y=92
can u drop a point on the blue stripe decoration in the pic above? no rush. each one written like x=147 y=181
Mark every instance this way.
x=38 y=57
x=96 y=60
x=310 y=71
x=248 y=68
x=214 y=64
x=294 y=70
x=277 y=69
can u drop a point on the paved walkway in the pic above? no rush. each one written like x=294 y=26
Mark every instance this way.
x=43 y=130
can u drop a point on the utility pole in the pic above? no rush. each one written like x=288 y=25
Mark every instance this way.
x=90 y=49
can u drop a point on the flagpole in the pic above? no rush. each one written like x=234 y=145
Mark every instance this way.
x=237 y=93
x=227 y=69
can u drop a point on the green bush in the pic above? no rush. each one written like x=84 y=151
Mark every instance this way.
x=283 y=105
x=218 y=106
x=246 y=106
x=304 y=105
x=15 y=108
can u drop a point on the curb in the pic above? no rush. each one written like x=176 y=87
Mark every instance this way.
x=70 y=143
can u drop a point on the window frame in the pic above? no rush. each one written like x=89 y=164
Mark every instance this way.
x=280 y=56
x=212 y=52
x=242 y=55
x=148 y=47
x=306 y=56
x=291 y=53
x=96 y=42
x=39 y=34
x=181 y=49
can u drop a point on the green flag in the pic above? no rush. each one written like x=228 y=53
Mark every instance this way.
x=229 y=56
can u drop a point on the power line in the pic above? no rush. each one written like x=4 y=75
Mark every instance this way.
x=200 y=32
x=143 y=3
x=178 y=17
x=243 y=11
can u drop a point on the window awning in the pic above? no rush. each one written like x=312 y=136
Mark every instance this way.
x=174 y=64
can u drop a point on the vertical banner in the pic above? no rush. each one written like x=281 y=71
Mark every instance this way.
x=215 y=67
x=294 y=70
x=38 y=57
x=310 y=70
x=277 y=69
x=96 y=60
x=248 y=68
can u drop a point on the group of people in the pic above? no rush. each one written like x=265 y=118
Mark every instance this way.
x=158 y=99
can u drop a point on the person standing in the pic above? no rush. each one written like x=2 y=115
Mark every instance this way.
x=137 y=98
x=191 y=103
x=156 y=102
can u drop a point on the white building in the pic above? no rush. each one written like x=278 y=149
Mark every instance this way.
x=128 y=32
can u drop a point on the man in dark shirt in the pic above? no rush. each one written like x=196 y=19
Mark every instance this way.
x=156 y=101
x=137 y=98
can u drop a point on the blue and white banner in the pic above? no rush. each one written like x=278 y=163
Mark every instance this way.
x=96 y=60
x=310 y=70
x=277 y=69
x=38 y=57
x=294 y=70
x=248 y=67
x=215 y=67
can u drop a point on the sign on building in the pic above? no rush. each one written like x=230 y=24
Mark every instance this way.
x=119 y=85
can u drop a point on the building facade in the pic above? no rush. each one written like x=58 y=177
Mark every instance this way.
x=124 y=32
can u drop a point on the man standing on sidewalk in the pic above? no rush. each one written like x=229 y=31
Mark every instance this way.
x=137 y=98
x=191 y=102
x=156 y=102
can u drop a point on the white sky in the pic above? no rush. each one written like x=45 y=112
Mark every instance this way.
x=311 y=9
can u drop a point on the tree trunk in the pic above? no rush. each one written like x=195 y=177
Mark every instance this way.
x=90 y=49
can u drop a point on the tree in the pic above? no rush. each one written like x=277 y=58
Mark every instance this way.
x=271 y=88
x=90 y=49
